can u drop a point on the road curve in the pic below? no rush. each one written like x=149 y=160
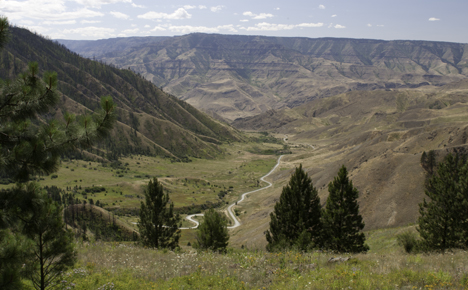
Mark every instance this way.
x=190 y=218
x=231 y=214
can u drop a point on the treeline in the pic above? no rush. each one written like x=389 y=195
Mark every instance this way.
x=191 y=209
x=103 y=225
x=86 y=215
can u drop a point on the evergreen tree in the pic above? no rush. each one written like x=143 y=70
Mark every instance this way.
x=443 y=219
x=296 y=219
x=212 y=232
x=16 y=205
x=428 y=161
x=29 y=146
x=431 y=162
x=424 y=159
x=342 y=220
x=52 y=247
x=158 y=225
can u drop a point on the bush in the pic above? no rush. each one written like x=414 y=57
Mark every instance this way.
x=212 y=232
x=409 y=241
x=95 y=189
x=6 y=181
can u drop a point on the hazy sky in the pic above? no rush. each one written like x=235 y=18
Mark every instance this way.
x=439 y=20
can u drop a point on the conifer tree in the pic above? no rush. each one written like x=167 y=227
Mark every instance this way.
x=428 y=161
x=52 y=247
x=424 y=159
x=212 y=232
x=31 y=145
x=14 y=245
x=431 y=162
x=342 y=220
x=443 y=218
x=158 y=225
x=296 y=219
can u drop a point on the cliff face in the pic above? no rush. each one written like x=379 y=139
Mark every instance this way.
x=240 y=76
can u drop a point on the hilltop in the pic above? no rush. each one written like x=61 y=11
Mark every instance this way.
x=238 y=76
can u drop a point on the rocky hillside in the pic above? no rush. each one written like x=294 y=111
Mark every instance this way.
x=150 y=121
x=239 y=76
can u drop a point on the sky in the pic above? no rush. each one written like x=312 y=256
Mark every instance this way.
x=434 y=20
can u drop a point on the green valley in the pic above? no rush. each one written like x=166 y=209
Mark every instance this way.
x=210 y=117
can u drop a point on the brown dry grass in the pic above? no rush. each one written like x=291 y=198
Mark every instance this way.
x=379 y=136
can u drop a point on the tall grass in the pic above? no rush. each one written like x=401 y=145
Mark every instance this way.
x=126 y=266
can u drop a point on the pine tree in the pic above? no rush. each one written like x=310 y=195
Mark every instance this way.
x=296 y=219
x=443 y=219
x=424 y=159
x=212 y=232
x=30 y=146
x=158 y=225
x=14 y=246
x=342 y=220
x=428 y=161
x=431 y=162
x=53 y=249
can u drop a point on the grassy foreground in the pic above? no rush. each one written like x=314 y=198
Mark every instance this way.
x=126 y=266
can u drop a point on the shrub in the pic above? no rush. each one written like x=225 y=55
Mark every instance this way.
x=212 y=232
x=409 y=241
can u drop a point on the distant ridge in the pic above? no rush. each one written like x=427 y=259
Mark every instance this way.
x=239 y=76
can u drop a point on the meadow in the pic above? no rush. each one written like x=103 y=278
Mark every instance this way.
x=192 y=186
x=126 y=265
x=385 y=266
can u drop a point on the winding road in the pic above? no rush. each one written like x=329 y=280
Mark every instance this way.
x=231 y=214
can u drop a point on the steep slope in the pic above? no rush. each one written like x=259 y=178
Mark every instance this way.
x=150 y=120
x=238 y=76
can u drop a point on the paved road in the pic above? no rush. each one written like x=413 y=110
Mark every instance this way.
x=233 y=216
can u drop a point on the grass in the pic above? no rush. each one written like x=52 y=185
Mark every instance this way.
x=188 y=184
x=127 y=266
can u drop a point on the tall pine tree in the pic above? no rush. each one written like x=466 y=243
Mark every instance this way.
x=158 y=225
x=443 y=221
x=52 y=246
x=342 y=220
x=30 y=146
x=296 y=219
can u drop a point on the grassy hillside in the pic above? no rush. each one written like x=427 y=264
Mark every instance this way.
x=379 y=136
x=150 y=120
x=239 y=76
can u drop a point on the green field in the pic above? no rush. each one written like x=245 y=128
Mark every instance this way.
x=194 y=185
